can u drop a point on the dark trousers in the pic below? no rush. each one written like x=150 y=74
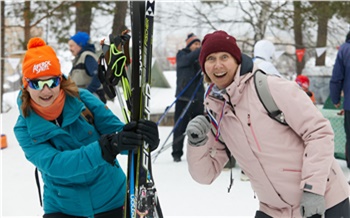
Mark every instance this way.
x=196 y=108
x=340 y=210
x=347 y=134
x=109 y=214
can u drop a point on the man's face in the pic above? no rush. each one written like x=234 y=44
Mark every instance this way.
x=195 y=45
x=74 y=47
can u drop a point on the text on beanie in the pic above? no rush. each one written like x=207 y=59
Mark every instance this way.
x=40 y=60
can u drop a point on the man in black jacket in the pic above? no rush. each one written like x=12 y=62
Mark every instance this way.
x=187 y=67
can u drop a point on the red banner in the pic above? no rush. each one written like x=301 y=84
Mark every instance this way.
x=172 y=60
x=300 y=53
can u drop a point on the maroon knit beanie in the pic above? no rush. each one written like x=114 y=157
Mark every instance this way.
x=219 y=41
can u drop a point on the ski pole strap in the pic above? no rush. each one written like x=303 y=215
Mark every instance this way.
x=107 y=88
x=126 y=50
x=231 y=166
x=231 y=181
x=117 y=62
x=112 y=72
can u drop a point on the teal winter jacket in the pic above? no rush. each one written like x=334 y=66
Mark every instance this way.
x=77 y=180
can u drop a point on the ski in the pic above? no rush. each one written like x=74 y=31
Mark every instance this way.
x=142 y=199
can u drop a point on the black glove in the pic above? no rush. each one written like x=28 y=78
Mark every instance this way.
x=309 y=93
x=125 y=37
x=113 y=144
x=149 y=131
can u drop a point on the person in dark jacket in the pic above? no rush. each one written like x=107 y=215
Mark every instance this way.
x=85 y=66
x=187 y=73
x=340 y=82
x=73 y=140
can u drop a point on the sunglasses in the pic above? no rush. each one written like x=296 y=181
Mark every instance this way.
x=39 y=84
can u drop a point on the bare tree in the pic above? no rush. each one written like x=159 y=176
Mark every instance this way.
x=28 y=17
x=119 y=17
x=298 y=33
x=83 y=16
x=324 y=11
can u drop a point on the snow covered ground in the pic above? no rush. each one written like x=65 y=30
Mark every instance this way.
x=179 y=194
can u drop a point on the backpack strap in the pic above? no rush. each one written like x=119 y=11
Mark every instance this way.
x=86 y=113
x=263 y=91
x=89 y=117
x=38 y=185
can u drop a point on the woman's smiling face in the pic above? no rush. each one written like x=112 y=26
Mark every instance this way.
x=46 y=96
x=221 y=68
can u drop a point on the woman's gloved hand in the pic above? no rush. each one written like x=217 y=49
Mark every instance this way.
x=149 y=131
x=312 y=204
x=197 y=130
x=112 y=144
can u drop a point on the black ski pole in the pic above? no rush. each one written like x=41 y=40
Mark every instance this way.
x=184 y=111
x=178 y=96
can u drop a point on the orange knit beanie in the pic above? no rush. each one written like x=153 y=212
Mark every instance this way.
x=40 y=60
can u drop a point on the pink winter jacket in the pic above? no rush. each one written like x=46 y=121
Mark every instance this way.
x=281 y=161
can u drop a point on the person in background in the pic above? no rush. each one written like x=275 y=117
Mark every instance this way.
x=187 y=70
x=340 y=82
x=85 y=66
x=264 y=51
x=304 y=82
x=291 y=167
x=73 y=140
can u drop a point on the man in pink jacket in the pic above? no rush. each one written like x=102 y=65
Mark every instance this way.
x=291 y=167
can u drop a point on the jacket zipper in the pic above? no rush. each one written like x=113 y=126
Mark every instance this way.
x=252 y=131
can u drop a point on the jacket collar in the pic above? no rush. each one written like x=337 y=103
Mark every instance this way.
x=42 y=129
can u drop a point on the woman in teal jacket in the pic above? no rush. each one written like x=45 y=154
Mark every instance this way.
x=73 y=138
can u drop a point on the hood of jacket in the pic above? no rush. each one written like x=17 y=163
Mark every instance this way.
x=88 y=47
x=264 y=49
